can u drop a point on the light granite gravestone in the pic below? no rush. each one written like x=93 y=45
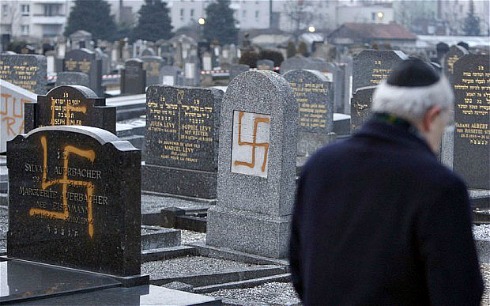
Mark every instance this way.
x=171 y=76
x=152 y=65
x=257 y=166
x=361 y=103
x=372 y=66
x=133 y=77
x=314 y=95
x=12 y=101
x=192 y=73
x=26 y=71
x=70 y=105
x=75 y=199
x=72 y=78
x=181 y=141
x=471 y=84
x=84 y=60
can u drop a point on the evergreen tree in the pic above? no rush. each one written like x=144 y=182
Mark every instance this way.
x=154 y=22
x=92 y=16
x=220 y=23
x=471 y=26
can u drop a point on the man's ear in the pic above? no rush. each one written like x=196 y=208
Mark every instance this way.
x=429 y=117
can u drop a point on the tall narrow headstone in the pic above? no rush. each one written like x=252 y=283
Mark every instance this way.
x=361 y=103
x=372 y=66
x=471 y=84
x=181 y=141
x=192 y=73
x=152 y=65
x=133 y=77
x=257 y=166
x=70 y=105
x=75 y=199
x=26 y=71
x=84 y=60
x=12 y=101
x=314 y=95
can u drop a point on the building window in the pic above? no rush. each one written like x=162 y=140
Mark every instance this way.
x=5 y=8
x=192 y=13
x=24 y=8
x=24 y=30
x=51 y=10
x=181 y=14
x=256 y=14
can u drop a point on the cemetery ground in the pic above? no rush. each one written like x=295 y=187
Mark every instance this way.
x=191 y=268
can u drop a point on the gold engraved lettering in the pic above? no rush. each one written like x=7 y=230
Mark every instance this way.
x=65 y=182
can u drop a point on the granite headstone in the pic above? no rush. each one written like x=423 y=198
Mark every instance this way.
x=471 y=84
x=152 y=65
x=75 y=199
x=171 y=76
x=181 y=141
x=26 y=71
x=454 y=54
x=257 y=166
x=361 y=103
x=84 y=60
x=72 y=78
x=133 y=77
x=265 y=64
x=70 y=105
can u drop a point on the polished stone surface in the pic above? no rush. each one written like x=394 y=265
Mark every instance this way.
x=21 y=280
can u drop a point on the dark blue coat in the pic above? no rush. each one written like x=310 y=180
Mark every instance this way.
x=379 y=221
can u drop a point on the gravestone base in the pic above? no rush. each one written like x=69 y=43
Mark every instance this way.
x=248 y=232
x=175 y=181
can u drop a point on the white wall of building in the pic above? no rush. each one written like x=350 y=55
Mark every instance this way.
x=364 y=14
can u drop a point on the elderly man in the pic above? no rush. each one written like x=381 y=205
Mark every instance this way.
x=377 y=219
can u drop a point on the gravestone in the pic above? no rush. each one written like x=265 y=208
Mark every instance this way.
x=70 y=105
x=314 y=95
x=265 y=64
x=361 y=103
x=181 y=141
x=26 y=71
x=152 y=65
x=236 y=69
x=454 y=54
x=75 y=199
x=171 y=76
x=81 y=39
x=257 y=166
x=84 y=60
x=207 y=61
x=471 y=84
x=133 y=77
x=72 y=78
x=296 y=62
x=104 y=58
x=372 y=66
x=12 y=101
x=192 y=73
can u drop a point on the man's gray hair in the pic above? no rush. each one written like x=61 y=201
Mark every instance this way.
x=411 y=103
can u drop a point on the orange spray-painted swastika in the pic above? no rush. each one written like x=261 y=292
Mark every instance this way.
x=254 y=144
x=65 y=182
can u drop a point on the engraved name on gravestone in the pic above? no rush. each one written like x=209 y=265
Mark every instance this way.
x=72 y=78
x=454 y=54
x=257 y=166
x=70 y=105
x=84 y=60
x=361 y=103
x=133 y=77
x=314 y=95
x=372 y=66
x=152 y=66
x=182 y=141
x=26 y=71
x=471 y=84
x=12 y=101
x=75 y=199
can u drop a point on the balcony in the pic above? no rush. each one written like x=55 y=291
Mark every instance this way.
x=41 y=19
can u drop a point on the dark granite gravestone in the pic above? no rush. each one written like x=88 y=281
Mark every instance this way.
x=372 y=66
x=454 y=54
x=26 y=71
x=361 y=103
x=133 y=77
x=471 y=84
x=84 y=60
x=171 y=76
x=257 y=166
x=72 y=78
x=152 y=65
x=236 y=69
x=70 y=105
x=75 y=199
x=314 y=95
x=181 y=141
x=265 y=64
